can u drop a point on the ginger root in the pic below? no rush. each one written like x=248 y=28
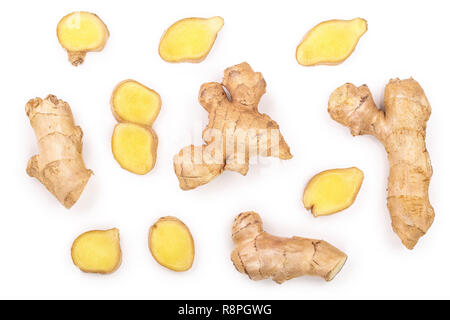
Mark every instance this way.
x=261 y=255
x=236 y=130
x=402 y=130
x=97 y=251
x=171 y=244
x=330 y=42
x=59 y=165
x=190 y=39
x=81 y=32
x=134 y=142
x=332 y=191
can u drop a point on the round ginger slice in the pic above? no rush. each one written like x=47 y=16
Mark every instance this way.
x=131 y=101
x=81 y=32
x=97 y=251
x=332 y=191
x=171 y=244
x=134 y=147
x=190 y=39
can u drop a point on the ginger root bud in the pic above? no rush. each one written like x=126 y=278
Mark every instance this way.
x=171 y=244
x=332 y=191
x=81 y=32
x=97 y=251
x=190 y=39
x=134 y=142
x=261 y=255
x=330 y=42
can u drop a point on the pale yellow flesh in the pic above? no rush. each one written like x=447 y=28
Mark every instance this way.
x=171 y=244
x=134 y=102
x=332 y=191
x=330 y=42
x=81 y=32
x=134 y=147
x=97 y=251
x=189 y=39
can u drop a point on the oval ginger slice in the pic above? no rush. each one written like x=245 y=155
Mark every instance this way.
x=330 y=42
x=97 y=251
x=171 y=244
x=190 y=39
x=332 y=191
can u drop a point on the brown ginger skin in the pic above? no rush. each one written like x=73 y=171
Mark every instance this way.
x=402 y=130
x=237 y=123
x=261 y=255
x=59 y=166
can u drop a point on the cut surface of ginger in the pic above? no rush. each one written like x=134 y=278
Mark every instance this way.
x=190 y=39
x=332 y=191
x=97 y=251
x=134 y=102
x=171 y=244
x=81 y=32
x=134 y=147
x=330 y=42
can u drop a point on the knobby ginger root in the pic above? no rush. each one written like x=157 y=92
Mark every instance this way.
x=236 y=130
x=330 y=42
x=134 y=142
x=171 y=244
x=59 y=166
x=190 y=39
x=261 y=255
x=402 y=130
x=81 y=32
x=97 y=251
x=332 y=191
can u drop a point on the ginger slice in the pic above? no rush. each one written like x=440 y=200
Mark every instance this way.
x=171 y=244
x=97 y=251
x=330 y=42
x=134 y=147
x=261 y=255
x=332 y=191
x=81 y=32
x=190 y=39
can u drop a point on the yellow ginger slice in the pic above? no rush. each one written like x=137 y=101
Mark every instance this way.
x=81 y=32
x=330 y=42
x=171 y=244
x=97 y=251
x=190 y=39
x=134 y=147
x=332 y=191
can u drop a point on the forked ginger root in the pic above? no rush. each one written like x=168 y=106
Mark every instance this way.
x=330 y=42
x=190 y=39
x=236 y=130
x=59 y=165
x=97 y=251
x=134 y=142
x=171 y=244
x=402 y=130
x=81 y=32
x=261 y=255
x=332 y=191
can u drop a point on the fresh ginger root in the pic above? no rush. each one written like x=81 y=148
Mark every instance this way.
x=332 y=191
x=81 y=32
x=171 y=244
x=134 y=142
x=97 y=251
x=261 y=255
x=236 y=130
x=402 y=130
x=330 y=42
x=190 y=39
x=59 y=165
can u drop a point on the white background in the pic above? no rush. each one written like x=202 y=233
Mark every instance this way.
x=405 y=38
